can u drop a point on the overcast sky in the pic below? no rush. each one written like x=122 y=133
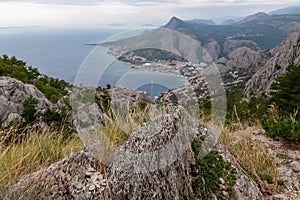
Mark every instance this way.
x=78 y=13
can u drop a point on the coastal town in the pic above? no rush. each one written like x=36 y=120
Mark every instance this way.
x=195 y=74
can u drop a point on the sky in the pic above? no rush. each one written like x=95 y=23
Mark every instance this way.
x=89 y=13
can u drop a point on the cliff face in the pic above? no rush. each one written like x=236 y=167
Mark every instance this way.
x=12 y=95
x=288 y=52
x=243 y=58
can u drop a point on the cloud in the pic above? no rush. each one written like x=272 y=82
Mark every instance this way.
x=129 y=12
x=93 y=2
x=184 y=3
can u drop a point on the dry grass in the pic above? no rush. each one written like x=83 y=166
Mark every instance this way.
x=255 y=160
x=36 y=150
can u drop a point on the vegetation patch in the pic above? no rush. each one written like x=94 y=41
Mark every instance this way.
x=283 y=156
x=53 y=88
x=209 y=173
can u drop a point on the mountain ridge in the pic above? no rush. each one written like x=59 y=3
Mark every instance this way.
x=287 y=10
x=285 y=54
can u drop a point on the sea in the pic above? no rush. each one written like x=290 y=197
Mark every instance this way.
x=63 y=53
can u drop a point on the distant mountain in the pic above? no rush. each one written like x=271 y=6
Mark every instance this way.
x=256 y=32
x=201 y=22
x=257 y=16
x=175 y=23
x=228 y=22
x=287 y=11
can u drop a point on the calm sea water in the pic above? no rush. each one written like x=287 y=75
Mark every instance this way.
x=56 y=52
x=61 y=52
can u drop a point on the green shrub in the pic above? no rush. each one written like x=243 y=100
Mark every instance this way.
x=207 y=172
x=284 y=127
x=29 y=113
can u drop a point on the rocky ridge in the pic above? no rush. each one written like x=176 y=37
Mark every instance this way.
x=288 y=52
x=243 y=58
x=75 y=177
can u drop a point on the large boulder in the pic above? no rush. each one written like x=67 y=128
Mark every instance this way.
x=154 y=163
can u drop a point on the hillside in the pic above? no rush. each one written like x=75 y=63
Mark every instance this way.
x=288 y=52
x=257 y=32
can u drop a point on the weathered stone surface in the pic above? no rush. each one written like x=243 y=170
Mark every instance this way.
x=286 y=165
x=128 y=96
x=150 y=166
x=75 y=177
x=245 y=188
x=12 y=95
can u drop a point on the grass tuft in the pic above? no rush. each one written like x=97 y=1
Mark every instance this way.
x=36 y=150
x=256 y=161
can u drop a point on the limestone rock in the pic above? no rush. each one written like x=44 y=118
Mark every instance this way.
x=75 y=177
x=128 y=96
x=243 y=58
x=12 y=94
x=150 y=166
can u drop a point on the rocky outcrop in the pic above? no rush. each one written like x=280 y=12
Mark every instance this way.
x=154 y=163
x=128 y=96
x=232 y=44
x=175 y=23
x=283 y=55
x=245 y=188
x=12 y=95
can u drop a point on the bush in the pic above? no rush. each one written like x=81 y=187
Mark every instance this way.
x=207 y=173
x=282 y=118
x=29 y=113
x=284 y=127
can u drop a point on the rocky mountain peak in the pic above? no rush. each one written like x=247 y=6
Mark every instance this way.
x=174 y=23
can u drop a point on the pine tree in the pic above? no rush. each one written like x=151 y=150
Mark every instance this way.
x=286 y=93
